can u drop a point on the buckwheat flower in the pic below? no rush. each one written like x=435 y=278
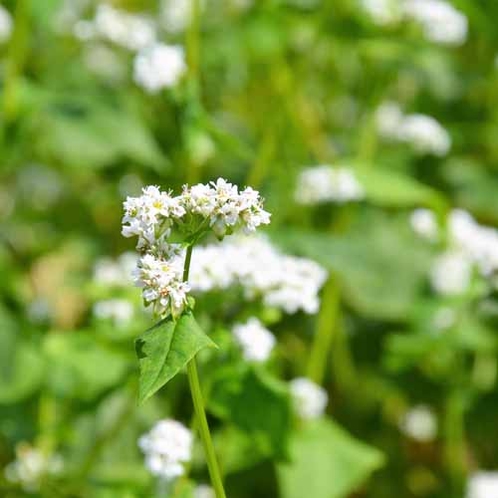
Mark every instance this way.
x=175 y=15
x=6 y=24
x=420 y=423
x=117 y=272
x=161 y=281
x=451 y=273
x=482 y=484
x=440 y=21
x=130 y=31
x=309 y=399
x=31 y=466
x=159 y=66
x=424 y=134
x=204 y=491
x=424 y=224
x=382 y=12
x=255 y=340
x=389 y=117
x=328 y=184
x=167 y=448
x=119 y=311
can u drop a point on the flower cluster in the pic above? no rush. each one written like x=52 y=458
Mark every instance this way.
x=159 y=66
x=31 y=466
x=440 y=21
x=261 y=271
x=255 y=340
x=328 y=184
x=115 y=272
x=423 y=133
x=167 y=448
x=419 y=423
x=470 y=245
x=5 y=24
x=482 y=485
x=152 y=217
x=118 y=311
x=309 y=399
x=130 y=31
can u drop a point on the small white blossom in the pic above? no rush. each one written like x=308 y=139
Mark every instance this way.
x=451 y=273
x=423 y=133
x=6 y=24
x=256 y=341
x=159 y=66
x=204 y=491
x=382 y=12
x=424 y=224
x=31 y=466
x=420 y=424
x=440 y=21
x=167 y=448
x=119 y=311
x=175 y=15
x=309 y=399
x=255 y=265
x=483 y=484
x=115 y=272
x=130 y=31
x=328 y=184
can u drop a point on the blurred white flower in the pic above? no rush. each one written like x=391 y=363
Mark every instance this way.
x=115 y=272
x=482 y=484
x=131 y=31
x=382 y=12
x=444 y=318
x=309 y=399
x=6 y=24
x=31 y=466
x=328 y=184
x=104 y=62
x=204 y=491
x=167 y=448
x=256 y=341
x=451 y=273
x=420 y=423
x=159 y=66
x=424 y=224
x=261 y=270
x=423 y=133
x=119 y=311
x=175 y=15
x=441 y=22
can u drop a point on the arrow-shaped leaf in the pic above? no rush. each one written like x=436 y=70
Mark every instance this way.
x=165 y=349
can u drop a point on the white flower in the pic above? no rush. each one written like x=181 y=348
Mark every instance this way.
x=424 y=134
x=167 y=448
x=115 y=272
x=309 y=399
x=328 y=184
x=441 y=22
x=256 y=341
x=120 y=311
x=6 y=24
x=161 y=281
x=382 y=12
x=31 y=466
x=483 y=485
x=424 y=223
x=451 y=273
x=130 y=31
x=420 y=424
x=159 y=66
x=262 y=271
x=204 y=491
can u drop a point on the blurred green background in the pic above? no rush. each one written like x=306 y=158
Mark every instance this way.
x=272 y=87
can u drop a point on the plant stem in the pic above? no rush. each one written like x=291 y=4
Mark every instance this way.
x=195 y=390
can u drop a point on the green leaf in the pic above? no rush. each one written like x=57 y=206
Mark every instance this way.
x=165 y=349
x=326 y=462
x=257 y=403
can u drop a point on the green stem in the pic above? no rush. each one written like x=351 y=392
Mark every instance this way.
x=326 y=325
x=195 y=390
